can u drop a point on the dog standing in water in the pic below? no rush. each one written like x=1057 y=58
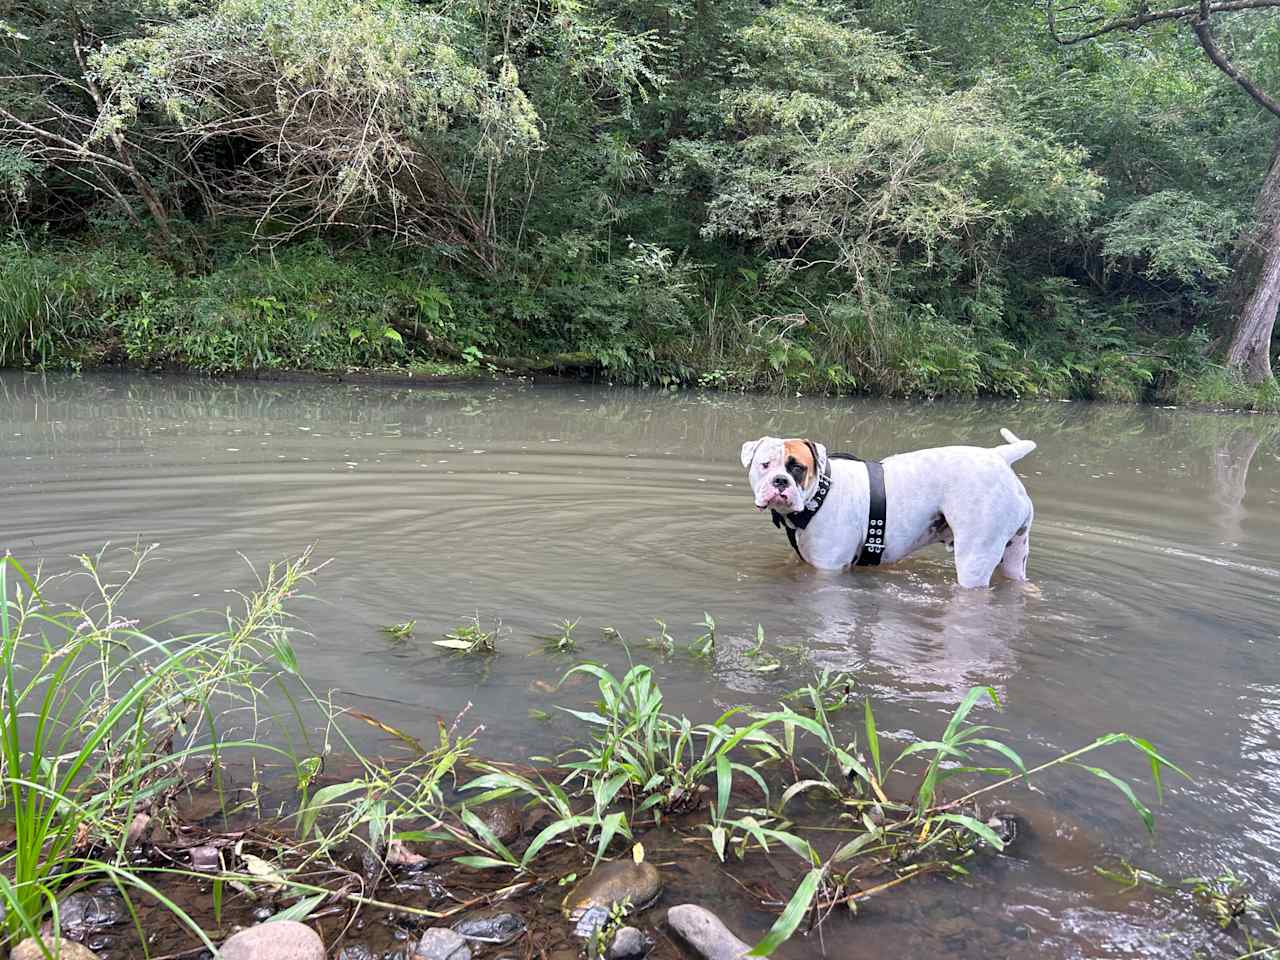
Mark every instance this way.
x=838 y=510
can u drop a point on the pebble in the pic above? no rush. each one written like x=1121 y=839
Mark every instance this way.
x=205 y=858
x=89 y=911
x=703 y=930
x=503 y=819
x=498 y=929
x=628 y=942
x=277 y=940
x=29 y=949
x=441 y=943
x=356 y=951
x=613 y=883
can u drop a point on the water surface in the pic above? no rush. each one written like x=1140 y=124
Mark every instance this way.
x=1155 y=566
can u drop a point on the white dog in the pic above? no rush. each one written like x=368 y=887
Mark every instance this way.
x=838 y=510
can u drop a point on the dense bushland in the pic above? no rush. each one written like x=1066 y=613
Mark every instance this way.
x=891 y=195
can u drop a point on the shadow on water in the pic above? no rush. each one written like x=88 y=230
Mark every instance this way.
x=1153 y=606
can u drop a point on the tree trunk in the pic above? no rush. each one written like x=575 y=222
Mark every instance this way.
x=1250 y=349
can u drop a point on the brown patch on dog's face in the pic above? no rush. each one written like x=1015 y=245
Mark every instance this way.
x=801 y=464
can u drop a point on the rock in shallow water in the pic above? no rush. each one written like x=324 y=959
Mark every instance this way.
x=503 y=819
x=441 y=943
x=613 y=883
x=497 y=929
x=628 y=943
x=277 y=940
x=88 y=911
x=70 y=950
x=702 y=930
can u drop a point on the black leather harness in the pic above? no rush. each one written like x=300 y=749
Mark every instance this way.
x=872 y=548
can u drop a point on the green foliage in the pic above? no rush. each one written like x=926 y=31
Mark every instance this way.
x=898 y=196
x=1173 y=234
x=100 y=719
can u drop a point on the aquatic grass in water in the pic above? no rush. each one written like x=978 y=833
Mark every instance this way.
x=472 y=639
x=643 y=765
x=400 y=631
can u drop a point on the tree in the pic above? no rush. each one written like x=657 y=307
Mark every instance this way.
x=1249 y=351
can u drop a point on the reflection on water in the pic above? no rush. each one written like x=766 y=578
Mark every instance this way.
x=1153 y=605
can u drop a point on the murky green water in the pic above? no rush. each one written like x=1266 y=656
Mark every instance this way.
x=1155 y=554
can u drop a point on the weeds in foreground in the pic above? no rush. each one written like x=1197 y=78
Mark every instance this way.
x=643 y=765
x=103 y=722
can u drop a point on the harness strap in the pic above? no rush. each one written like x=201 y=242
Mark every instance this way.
x=872 y=548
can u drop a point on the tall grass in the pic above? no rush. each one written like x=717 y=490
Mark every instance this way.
x=102 y=722
x=36 y=317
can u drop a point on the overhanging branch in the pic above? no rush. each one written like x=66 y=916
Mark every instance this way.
x=1205 y=35
x=1142 y=16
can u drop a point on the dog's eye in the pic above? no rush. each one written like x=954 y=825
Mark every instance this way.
x=796 y=469
x=765 y=465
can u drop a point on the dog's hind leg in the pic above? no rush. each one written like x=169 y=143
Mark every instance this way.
x=975 y=563
x=1014 y=562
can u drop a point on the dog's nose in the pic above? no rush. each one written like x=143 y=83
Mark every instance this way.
x=781 y=482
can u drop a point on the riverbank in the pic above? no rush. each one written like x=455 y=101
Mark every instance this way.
x=383 y=314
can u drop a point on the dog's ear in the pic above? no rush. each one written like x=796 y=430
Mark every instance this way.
x=819 y=457
x=749 y=451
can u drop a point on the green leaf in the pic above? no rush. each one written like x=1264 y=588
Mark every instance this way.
x=300 y=910
x=854 y=846
x=613 y=824
x=873 y=739
x=724 y=783
x=482 y=863
x=718 y=839
x=974 y=826
x=1008 y=752
x=322 y=798
x=549 y=833
x=791 y=917
x=481 y=829
x=1143 y=812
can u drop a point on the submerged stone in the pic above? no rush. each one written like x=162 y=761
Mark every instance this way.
x=704 y=931
x=88 y=911
x=614 y=883
x=628 y=943
x=275 y=940
x=356 y=951
x=205 y=859
x=29 y=949
x=441 y=943
x=501 y=818
x=498 y=929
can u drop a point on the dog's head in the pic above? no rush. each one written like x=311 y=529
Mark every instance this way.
x=783 y=473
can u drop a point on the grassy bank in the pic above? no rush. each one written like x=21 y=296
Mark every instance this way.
x=109 y=730
x=640 y=319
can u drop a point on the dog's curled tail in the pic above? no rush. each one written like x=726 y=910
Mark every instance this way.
x=1014 y=449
